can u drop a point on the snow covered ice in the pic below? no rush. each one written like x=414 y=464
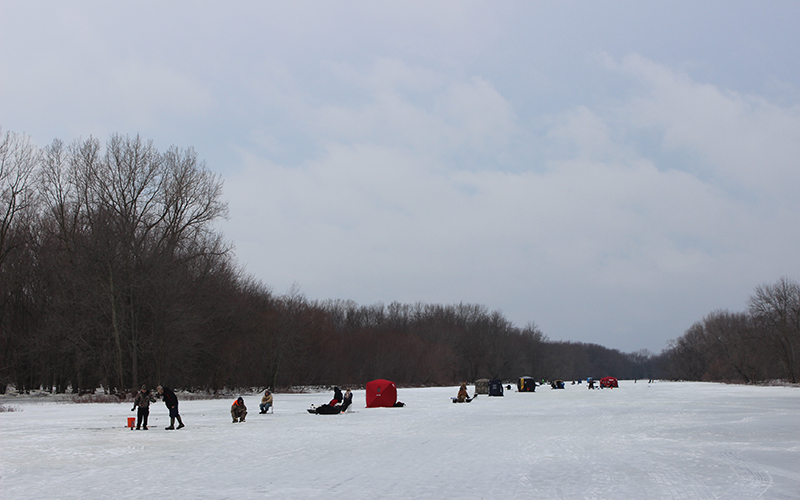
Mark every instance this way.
x=642 y=441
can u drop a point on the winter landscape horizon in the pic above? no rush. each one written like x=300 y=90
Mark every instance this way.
x=661 y=440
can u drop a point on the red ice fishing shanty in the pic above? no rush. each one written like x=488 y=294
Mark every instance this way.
x=381 y=394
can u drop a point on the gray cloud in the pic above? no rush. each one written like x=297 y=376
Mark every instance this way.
x=612 y=173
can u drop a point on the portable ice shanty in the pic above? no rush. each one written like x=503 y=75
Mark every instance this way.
x=381 y=393
x=482 y=386
x=526 y=384
x=495 y=388
x=609 y=382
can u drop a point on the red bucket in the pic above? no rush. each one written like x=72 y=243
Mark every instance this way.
x=131 y=421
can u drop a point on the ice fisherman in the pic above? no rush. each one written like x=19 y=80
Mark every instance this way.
x=462 y=393
x=266 y=402
x=348 y=399
x=238 y=410
x=142 y=400
x=337 y=397
x=333 y=407
x=171 y=402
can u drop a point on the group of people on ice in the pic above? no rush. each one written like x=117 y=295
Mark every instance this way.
x=239 y=410
x=143 y=399
x=338 y=404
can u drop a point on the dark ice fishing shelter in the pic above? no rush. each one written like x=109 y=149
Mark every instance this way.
x=526 y=384
x=495 y=387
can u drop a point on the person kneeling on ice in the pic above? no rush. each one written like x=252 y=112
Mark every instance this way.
x=171 y=402
x=266 y=402
x=238 y=410
x=142 y=400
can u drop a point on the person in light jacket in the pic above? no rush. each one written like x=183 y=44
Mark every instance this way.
x=266 y=402
x=462 y=393
x=142 y=401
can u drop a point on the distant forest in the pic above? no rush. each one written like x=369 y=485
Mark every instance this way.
x=111 y=274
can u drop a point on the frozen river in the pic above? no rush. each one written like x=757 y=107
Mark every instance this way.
x=640 y=441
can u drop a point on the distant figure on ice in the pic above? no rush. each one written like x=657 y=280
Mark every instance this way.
x=238 y=410
x=142 y=400
x=591 y=383
x=348 y=399
x=337 y=397
x=462 y=393
x=266 y=402
x=171 y=402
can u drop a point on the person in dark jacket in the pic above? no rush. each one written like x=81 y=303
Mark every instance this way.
x=337 y=397
x=142 y=400
x=238 y=410
x=171 y=402
x=348 y=399
x=331 y=408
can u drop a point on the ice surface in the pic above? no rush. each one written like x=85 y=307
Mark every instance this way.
x=641 y=441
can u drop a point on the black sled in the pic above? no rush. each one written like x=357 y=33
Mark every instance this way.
x=455 y=400
x=325 y=410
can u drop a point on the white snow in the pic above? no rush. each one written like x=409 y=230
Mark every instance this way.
x=640 y=441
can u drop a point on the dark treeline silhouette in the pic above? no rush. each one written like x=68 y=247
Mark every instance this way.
x=112 y=275
x=757 y=345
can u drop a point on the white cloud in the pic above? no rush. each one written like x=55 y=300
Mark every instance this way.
x=387 y=213
x=456 y=151
x=149 y=93
x=744 y=139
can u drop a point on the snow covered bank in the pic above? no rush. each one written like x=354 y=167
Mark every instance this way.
x=641 y=441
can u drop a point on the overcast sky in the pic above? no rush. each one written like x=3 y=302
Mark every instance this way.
x=611 y=171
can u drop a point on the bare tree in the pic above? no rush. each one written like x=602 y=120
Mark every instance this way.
x=130 y=216
x=733 y=349
x=776 y=310
x=18 y=162
x=689 y=354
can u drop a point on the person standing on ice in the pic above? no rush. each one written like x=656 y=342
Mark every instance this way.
x=266 y=402
x=238 y=410
x=142 y=400
x=171 y=402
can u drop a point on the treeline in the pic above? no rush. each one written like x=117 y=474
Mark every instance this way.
x=751 y=346
x=111 y=273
